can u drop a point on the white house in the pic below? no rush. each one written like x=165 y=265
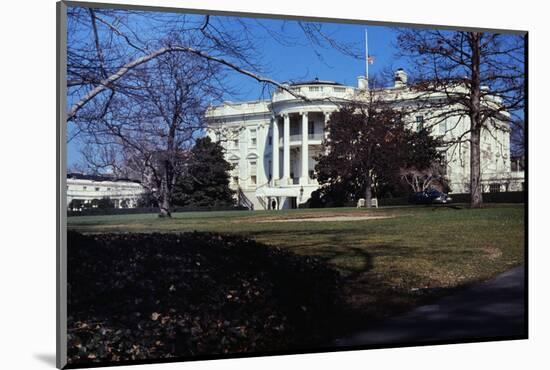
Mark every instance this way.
x=272 y=143
x=86 y=188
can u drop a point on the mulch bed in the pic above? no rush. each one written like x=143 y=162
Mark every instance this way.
x=155 y=296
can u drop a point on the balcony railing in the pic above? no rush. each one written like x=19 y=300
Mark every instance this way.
x=298 y=137
x=314 y=92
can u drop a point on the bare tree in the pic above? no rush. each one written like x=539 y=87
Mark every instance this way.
x=423 y=179
x=474 y=75
x=138 y=84
x=104 y=45
x=148 y=131
x=517 y=139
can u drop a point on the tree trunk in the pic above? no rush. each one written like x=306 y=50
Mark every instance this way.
x=368 y=191
x=168 y=168
x=165 y=208
x=476 y=200
x=166 y=191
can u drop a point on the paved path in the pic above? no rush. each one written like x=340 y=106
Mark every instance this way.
x=490 y=309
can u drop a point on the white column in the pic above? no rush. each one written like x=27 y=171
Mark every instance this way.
x=260 y=144
x=304 y=176
x=275 y=149
x=286 y=149
x=243 y=153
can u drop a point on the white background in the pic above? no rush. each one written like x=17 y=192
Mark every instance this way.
x=27 y=182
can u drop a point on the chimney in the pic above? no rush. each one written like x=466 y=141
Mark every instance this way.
x=400 y=78
x=362 y=83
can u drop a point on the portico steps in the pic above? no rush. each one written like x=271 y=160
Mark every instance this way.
x=301 y=192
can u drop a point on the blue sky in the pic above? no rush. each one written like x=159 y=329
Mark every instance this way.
x=285 y=63
x=298 y=62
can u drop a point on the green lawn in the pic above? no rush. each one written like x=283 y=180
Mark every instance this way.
x=389 y=264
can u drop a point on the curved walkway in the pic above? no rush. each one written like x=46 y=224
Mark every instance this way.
x=491 y=309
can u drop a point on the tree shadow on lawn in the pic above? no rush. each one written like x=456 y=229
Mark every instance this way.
x=334 y=246
x=375 y=283
x=372 y=294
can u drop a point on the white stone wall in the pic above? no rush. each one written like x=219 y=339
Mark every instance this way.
x=119 y=192
x=233 y=121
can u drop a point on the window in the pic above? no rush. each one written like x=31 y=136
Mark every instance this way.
x=253 y=136
x=494 y=188
x=236 y=180
x=96 y=189
x=253 y=180
x=315 y=88
x=84 y=187
x=296 y=89
x=252 y=168
x=419 y=123
x=235 y=143
x=339 y=89
x=311 y=127
x=443 y=163
x=270 y=140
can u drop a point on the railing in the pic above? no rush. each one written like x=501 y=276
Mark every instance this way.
x=243 y=199
x=280 y=182
x=314 y=92
x=298 y=137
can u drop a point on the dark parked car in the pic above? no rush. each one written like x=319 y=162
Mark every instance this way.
x=429 y=197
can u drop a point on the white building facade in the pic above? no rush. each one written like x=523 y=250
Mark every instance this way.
x=123 y=193
x=272 y=144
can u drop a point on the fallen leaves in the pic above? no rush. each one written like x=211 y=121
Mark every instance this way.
x=150 y=296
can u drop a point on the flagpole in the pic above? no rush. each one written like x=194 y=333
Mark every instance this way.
x=366 y=56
